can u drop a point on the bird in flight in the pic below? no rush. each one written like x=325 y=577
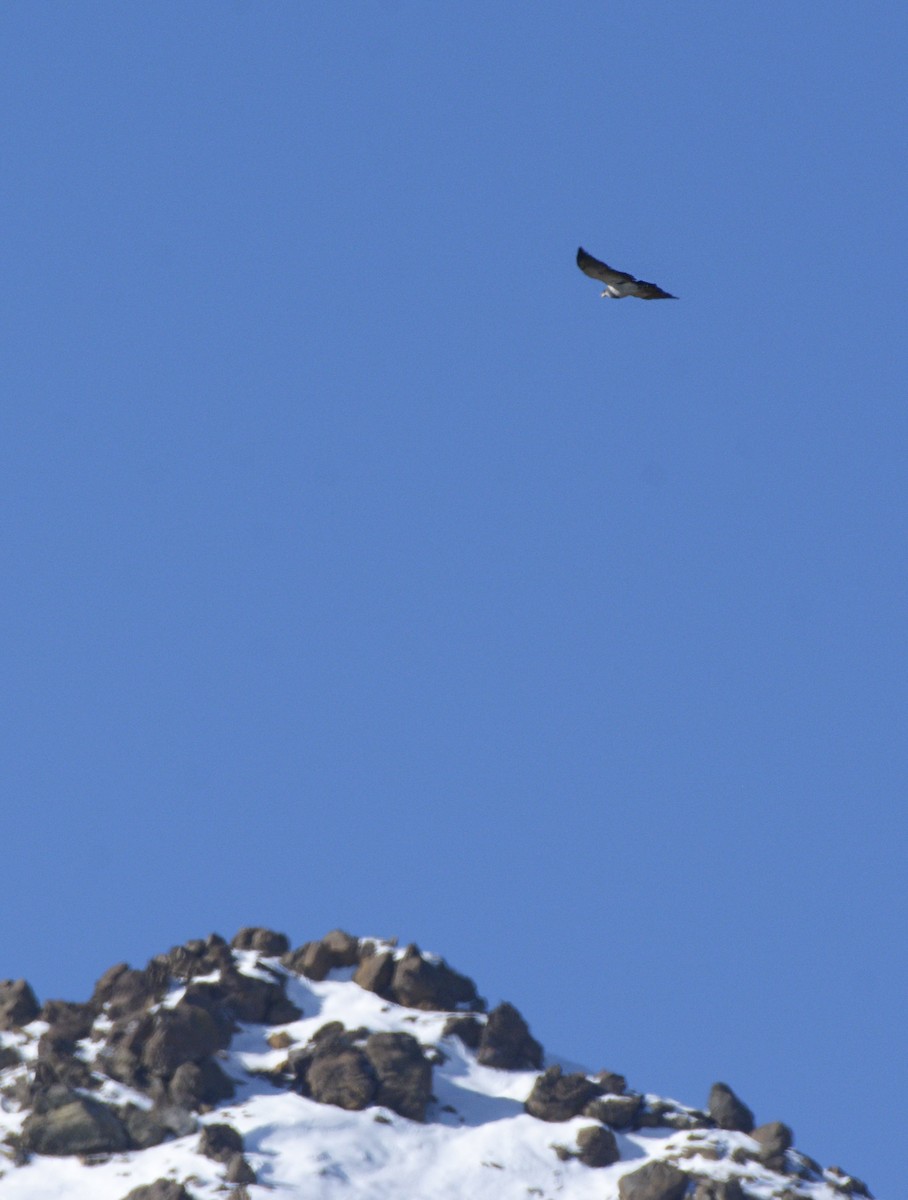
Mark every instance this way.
x=619 y=284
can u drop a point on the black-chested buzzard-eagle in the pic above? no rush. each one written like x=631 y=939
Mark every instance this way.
x=619 y=284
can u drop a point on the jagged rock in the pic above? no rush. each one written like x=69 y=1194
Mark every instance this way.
x=199 y=956
x=126 y=991
x=558 y=1097
x=596 y=1146
x=265 y=941
x=467 y=1028
x=404 y=1074
x=506 y=1042
x=433 y=986
x=18 y=1005
x=161 y=1189
x=81 y=1127
x=728 y=1111
x=719 y=1189
x=620 y=1112
x=653 y=1181
x=68 y=1022
x=773 y=1139
x=280 y=1040
x=221 y=1142
x=239 y=1170
x=182 y=1034
x=239 y=997
x=375 y=972
x=258 y=1001
x=197 y=1084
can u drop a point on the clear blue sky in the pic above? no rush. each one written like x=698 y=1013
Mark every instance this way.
x=362 y=567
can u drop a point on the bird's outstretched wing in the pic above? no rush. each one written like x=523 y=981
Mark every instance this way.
x=600 y=270
x=649 y=291
x=629 y=285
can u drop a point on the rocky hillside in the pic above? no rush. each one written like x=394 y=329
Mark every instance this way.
x=346 y=1067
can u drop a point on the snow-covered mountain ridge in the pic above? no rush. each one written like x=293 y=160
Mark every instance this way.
x=352 y=1068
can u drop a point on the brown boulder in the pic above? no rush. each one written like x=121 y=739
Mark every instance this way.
x=773 y=1139
x=195 y=1085
x=375 y=972
x=728 y=1111
x=220 y=1142
x=342 y=1075
x=404 y=1074
x=265 y=941
x=316 y=959
x=620 y=1112
x=467 y=1028
x=558 y=1097
x=182 y=1034
x=653 y=1181
x=82 y=1126
x=419 y=982
x=596 y=1146
x=506 y=1042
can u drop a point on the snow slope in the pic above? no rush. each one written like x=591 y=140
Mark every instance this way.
x=477 y=1141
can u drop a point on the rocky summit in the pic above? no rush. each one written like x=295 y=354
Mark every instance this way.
x=346 y=1067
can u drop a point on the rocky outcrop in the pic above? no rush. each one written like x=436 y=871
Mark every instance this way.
x=315 y=959
x=186 y=1033
x=68 y=1022
x=506 y=1042
x=418 y=982
x=618 y=1112
x=404 y=1074
x=122 y=991
x=265 y=941
x=558 y=1097
x=411 y=979
x=199 y=956
x=82 y=1126
x=728 y=1111
x=342 y=1075
x=653 y=1181
x=18 y=1005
